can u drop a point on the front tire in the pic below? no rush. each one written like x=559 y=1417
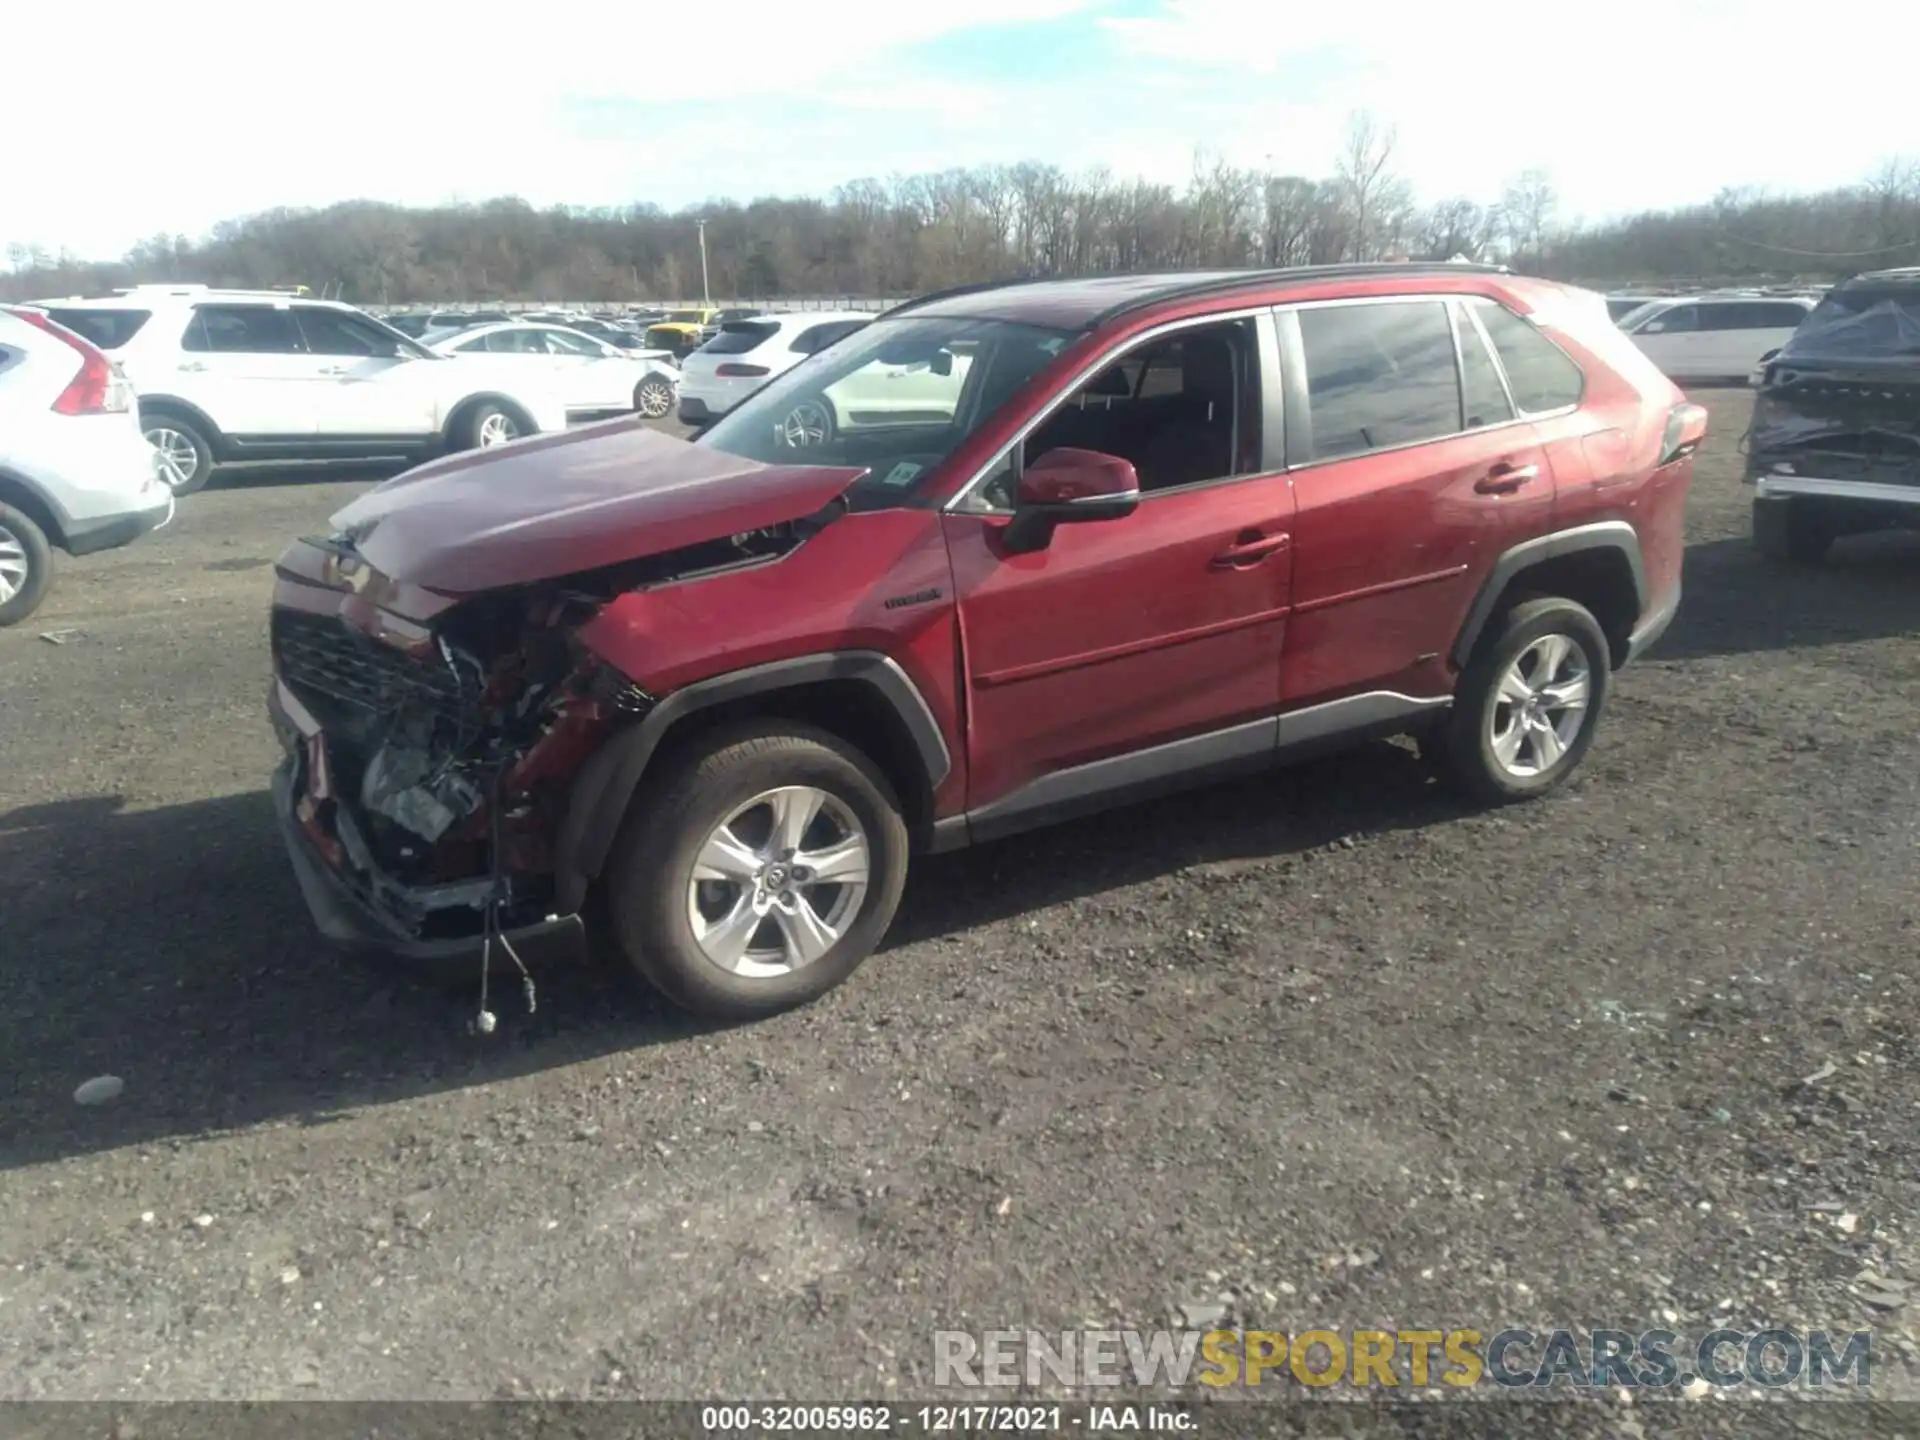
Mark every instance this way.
x=26 y=566
x=759 y=872
x=1528 y=703
x=186 y=459
x=653 y=397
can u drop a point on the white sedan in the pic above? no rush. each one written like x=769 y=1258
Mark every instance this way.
x=598 y=379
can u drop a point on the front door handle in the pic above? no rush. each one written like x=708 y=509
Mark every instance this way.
x=1505 y=479
x=333 y=369
x=1251 y=551
x=191 y=367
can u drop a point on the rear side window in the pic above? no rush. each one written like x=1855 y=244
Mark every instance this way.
x=1480 y=388
x=1771 y=315
x=328 y=332
x=109 y=329
x=1539 y=373
x=1378 y=376
x=739 y=336
x=243 y=330
x=816 y=338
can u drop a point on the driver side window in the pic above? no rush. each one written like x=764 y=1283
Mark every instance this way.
x=1183 y=408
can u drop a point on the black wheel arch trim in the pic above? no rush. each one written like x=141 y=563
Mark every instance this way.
x=606 y=784
x=36 y=504
x=1615 y=535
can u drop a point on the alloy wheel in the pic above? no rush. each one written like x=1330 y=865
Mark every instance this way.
x=1540 y=707
x=178 y=459
x=654 y=399
x=779 y=882
x=14 y=566
x=497 y=429
x=806 y=424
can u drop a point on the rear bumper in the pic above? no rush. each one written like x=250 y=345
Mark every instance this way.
x=348 y=901
x=1873 y=492
x=696 y=411
x=110 y=532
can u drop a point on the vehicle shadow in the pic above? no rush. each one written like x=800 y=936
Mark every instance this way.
x=171 y=948
x=1738 y=602
x=266 y=474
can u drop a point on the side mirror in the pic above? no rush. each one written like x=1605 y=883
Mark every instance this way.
x=941 y=363
x=1653 y=327
x=1066 y=486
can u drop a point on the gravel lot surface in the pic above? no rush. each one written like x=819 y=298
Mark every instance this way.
x=1324 y=1050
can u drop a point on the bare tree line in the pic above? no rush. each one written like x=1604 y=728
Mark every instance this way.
x=921 y=232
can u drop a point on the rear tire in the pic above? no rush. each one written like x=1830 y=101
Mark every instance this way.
x=1505 y=738
x=1792 y=531
x=696 y=939
x=26 y=566
x=186 y=457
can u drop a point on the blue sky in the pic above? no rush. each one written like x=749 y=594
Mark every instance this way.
x=1638 y=103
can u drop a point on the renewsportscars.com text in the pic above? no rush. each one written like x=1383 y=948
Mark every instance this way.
x=1454 y=1358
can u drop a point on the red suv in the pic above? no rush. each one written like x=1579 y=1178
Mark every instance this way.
x=1008 y=554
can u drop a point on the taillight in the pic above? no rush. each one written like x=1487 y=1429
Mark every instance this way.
x=1686 y=428
x=99 y=388
x=741 y=372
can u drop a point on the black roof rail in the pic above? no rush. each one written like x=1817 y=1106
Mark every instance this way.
x=1295 y=274
x=974 y=289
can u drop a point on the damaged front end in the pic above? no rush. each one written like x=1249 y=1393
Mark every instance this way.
x=431 y=744
x=431 y=689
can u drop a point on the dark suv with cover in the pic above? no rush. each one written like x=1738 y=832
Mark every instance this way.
x=1834 y=445
x=1134 y=533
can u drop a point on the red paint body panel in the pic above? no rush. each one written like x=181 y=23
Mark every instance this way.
x=570 y=502
x=829 y=594
x=1389 y=550
x=1119 y=634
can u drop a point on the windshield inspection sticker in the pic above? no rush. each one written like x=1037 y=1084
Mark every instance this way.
x=902 y=474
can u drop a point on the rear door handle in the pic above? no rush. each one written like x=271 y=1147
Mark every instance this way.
x=333 y=369
x=1505 y=479
x=191 y=367
x=1251 y=551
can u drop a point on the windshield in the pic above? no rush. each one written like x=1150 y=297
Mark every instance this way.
x=1866 y=322
x=687 y=317
x=897 y=397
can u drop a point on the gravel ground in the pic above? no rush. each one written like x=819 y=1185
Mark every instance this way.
x=1325 y=1050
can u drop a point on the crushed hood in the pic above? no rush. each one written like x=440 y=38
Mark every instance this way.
x=558 y=504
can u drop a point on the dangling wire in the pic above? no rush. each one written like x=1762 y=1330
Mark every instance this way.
x=491 y=928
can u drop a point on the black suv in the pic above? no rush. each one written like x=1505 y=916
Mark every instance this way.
x=1834 y=445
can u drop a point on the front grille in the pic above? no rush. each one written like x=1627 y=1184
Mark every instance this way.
x=322 y=659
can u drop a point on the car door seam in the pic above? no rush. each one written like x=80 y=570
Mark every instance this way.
x=1056 y=665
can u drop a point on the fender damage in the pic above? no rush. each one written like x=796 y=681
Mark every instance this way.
x=431 y=692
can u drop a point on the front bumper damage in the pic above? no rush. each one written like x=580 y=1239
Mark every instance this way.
x=354 y=902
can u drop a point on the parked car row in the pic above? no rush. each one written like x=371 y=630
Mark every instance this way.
x=232 y=375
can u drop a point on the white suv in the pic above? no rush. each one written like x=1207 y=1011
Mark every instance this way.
x=75 y=473
x=236 y=375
